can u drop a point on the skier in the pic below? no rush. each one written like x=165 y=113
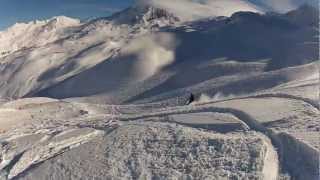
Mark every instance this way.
x=191 y=99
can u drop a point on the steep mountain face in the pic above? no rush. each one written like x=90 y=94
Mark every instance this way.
x=145 y=16
x=66 y=54
x=35 y=34
x=202 y=42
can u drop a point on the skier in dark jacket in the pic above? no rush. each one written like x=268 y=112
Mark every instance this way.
x=191 y=99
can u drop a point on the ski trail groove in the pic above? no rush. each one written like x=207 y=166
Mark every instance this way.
x=311 y=102
x=286 y=150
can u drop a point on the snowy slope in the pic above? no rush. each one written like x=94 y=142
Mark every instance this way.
x=107 y=98
x=283 y=46
x=35 y=34
x=65 y=48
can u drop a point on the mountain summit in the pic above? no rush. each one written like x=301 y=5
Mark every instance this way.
x=146 y=15
x=188 y=10
x=35 y=33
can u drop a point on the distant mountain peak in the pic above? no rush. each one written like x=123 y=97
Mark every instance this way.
x=145 y=14
x=158 y=13
x=64 y=20
x=34 y=33
x=181 y=10
x=59 y=21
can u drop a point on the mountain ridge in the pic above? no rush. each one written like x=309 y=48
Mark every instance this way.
x=97 y=42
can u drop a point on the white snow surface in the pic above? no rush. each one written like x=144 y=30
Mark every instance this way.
x=35 y=33
x=108 y=97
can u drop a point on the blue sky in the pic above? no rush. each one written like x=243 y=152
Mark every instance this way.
x=12 y=11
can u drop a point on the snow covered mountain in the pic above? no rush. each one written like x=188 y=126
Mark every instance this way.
x=57 y=55
x=34 y=34
x=188 y=10
x=107 y=98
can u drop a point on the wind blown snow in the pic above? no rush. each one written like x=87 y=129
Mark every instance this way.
x=205 y=98
x=152 y=52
